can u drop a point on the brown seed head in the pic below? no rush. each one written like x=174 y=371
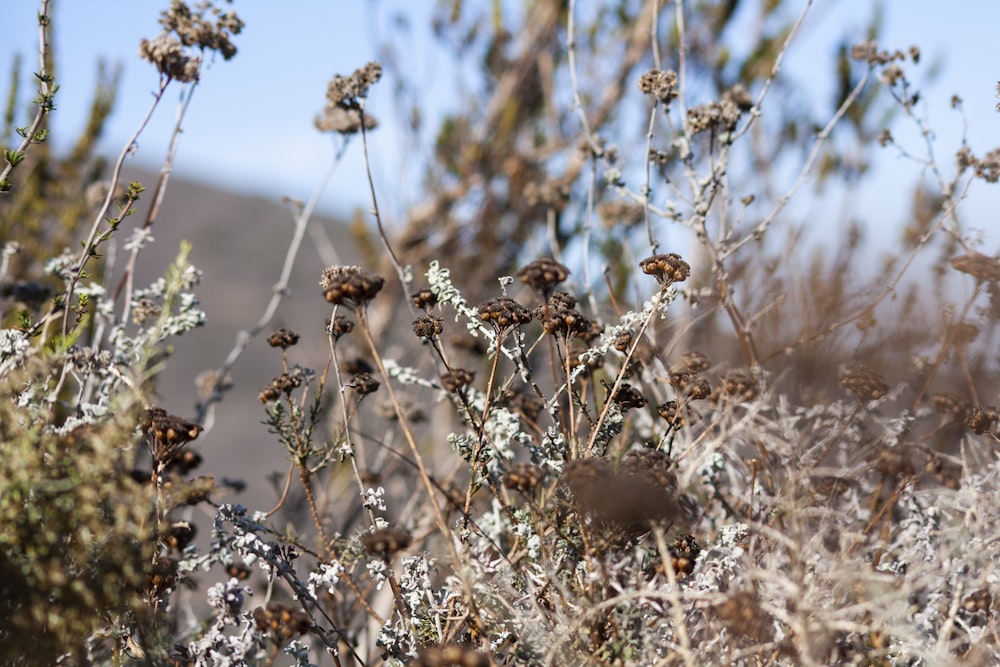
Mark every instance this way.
x=425 y=299
x=523 y=476
x=503 y=313
x=283 y=338
x=981 y=267
x=364 y=384
x=339 y=326
x=865 y=384
x=661 y=85
x=543 y=274
x=666 y=268
x=456 y=379
x=428 y=326
x=385 y=542
x=350 y=286
x=281 y=621
x=740 y=385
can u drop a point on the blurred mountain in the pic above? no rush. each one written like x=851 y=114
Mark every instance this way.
x=239 y=243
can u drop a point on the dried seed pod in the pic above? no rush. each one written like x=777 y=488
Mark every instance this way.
x=690 y=384
x=981 y=267
x=675 y=415
x=456 y=379
x=740 y=385
x=350 y=286
x=503 y=313
x=167 y=433
x=364 y=384
x=666 y=268
x=385 y=542
x=425 y=299
x=428 y=326
x=627 y=396
x=339 y=326
x=981 y=419
x=951 y=405
x=696 y=362
x=283 y=338
x=865 y=384
x=543 y=274
x=523 y=476
x=281 y=621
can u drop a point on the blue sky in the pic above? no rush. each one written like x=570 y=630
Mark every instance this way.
x=250 y=126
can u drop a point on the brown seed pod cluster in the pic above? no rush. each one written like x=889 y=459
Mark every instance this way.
x=350 y=286
x=283 y=338
x=981 y=419
x=626 y=497
x=543 y=275
x=523 y=476
x=451 y=655
x=167 y=433
x=456 y=379
x=981 y=267
x=527 y=405
x=740 y=385
x=424 y=299
x=695 y=361
x=690 y=384
x=428 y=326
x=339 y=326
x=666 y=268
x=364 y=384
x=281 y=621
x=285 y=384
x=865 y=384
x=179 y=535
x=628 y=397
x=677 y=415
x=386 y=542
x=660 y=84
x=742 y=615
x=503 y=313
x=684 y=552
x=561 y=321
x=950 y=405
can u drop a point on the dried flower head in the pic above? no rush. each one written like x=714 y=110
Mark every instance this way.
x=661 y=85
x=339 y=326
x=168 y=433
x=207 y=28
x=981 y=267
x=981 y=419
x=627 y=396
x=283 y=338
x=740 y=385
x=170 y=58
x=715 y=116
x=666 y=268
x=424 y=299
x=281 y=621
x=744 y=617
x=503 y=313
x=684 y=552
x=385 y=542
x=690 y=384
x=364 y=384
x=428 y=326
x=543 y=275
x=350 y=285
x=951 y=405
x=456 y=379
x=621 y=212
x=865 y=384
x=559 y=320
x=675 y=414
x=696 y=361
x=523 y=476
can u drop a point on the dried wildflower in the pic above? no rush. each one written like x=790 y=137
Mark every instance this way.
x=350 y=285
x=169 y=433
x=424 y=299
x=739 y=96
x=674 y=414
x=695 y=362
x=184 y=462
x=179 y=535
x=865 y=384
x=625 y=213
x=356 y=366
x=885 y=138
x=344 y=121
x=543 y=275
x=196 y=491
x=283 y=338
x=661 y=85
x=690 y=384
x=523 y=476
x=281 y=621
x=666 y=268
x=894 y=462
x=988 y=168
x=980 y=601
x=566 y=322
x=981 y=419
x=715 y=116
x=428 y=326
x=196 y=29
x=503 y=313
x=339 y=326
x=456 y=379
x=740 y=385
x=623 y=341
x=385 y=542
x=347 y=91
x=451 y=655
x=981 y=267
x=627 y=396
x=684 y=552
x=364 y=384
x=951 y=405
x=625 y=500
x=744 y=617
x=553 y=193
x=529 y=406
x=170 y=58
